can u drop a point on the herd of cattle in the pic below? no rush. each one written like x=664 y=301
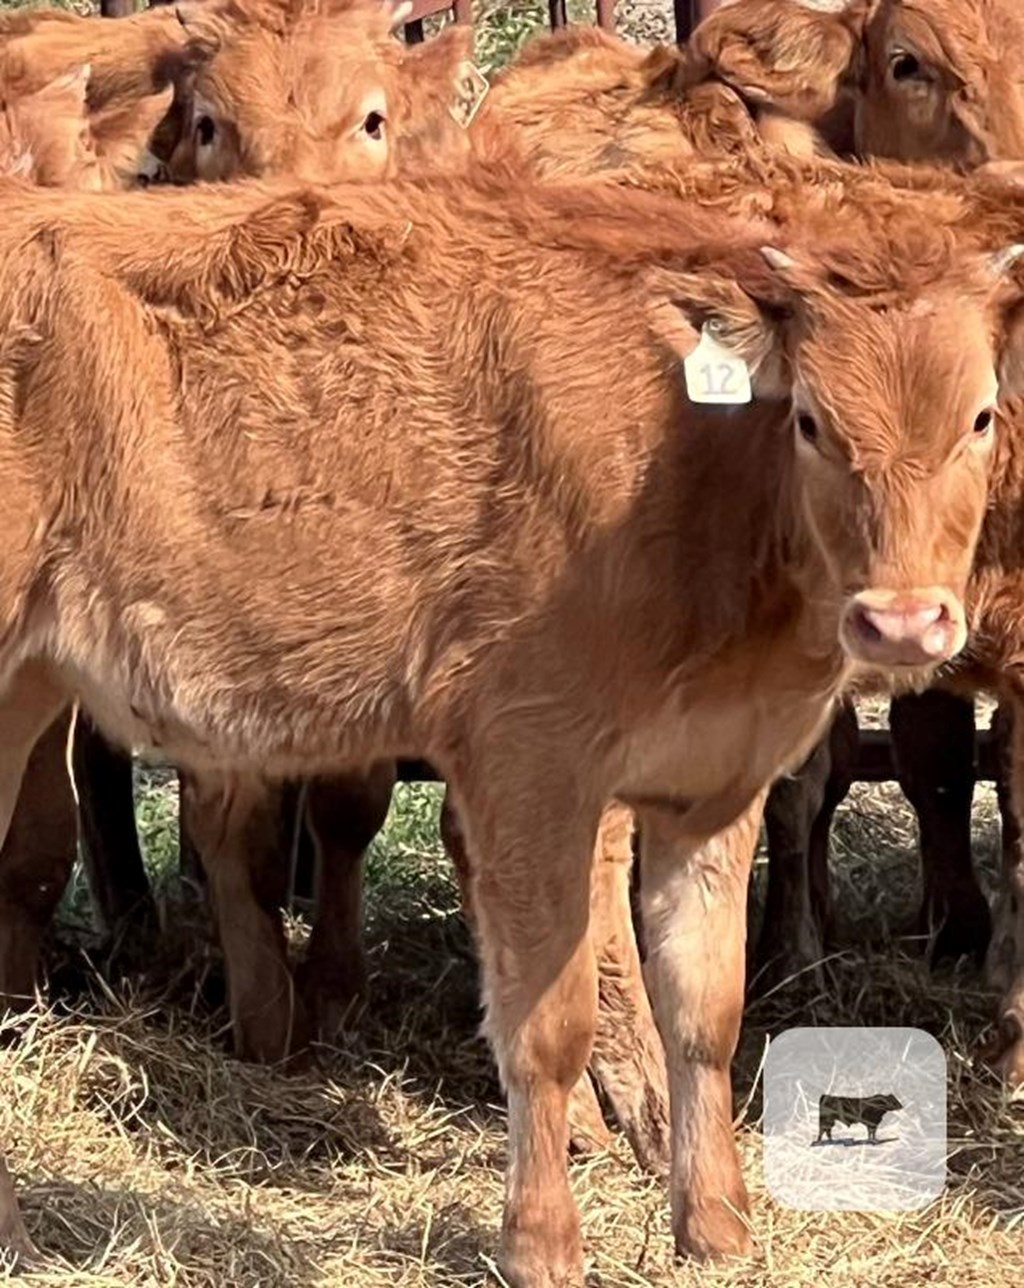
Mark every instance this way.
x=412 y=422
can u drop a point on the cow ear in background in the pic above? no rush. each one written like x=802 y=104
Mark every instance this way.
x=792 y=56
x=441 y=61
x=1006 y=266
x=122 y=134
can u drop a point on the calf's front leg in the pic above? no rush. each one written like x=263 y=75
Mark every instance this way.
x=529 y=873
x=693 y=891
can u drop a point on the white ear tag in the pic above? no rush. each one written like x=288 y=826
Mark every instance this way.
x=470 y=91
x=714 y=374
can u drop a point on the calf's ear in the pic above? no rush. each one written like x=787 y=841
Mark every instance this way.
x=747 y=320
x=441 y=55
x=1010 y=339
x=788 y=55
x=122 y=134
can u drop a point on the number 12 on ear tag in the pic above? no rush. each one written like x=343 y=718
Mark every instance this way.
x=714 y=374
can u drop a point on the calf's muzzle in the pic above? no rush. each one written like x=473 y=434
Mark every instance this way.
x=906 y=628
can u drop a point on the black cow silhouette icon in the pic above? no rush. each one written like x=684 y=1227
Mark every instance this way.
x=850 y=1110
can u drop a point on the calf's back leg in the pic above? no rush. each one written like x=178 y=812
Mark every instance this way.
x=241 y=825
x=344 y=814
x=1006 y=1050
x=629 y=1059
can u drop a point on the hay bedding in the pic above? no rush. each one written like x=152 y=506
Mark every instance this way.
x=145 y=1155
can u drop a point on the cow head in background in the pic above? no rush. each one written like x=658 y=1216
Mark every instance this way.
x=321 y=93
x=916 y=80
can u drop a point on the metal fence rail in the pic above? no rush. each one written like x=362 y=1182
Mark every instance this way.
x=687 y=13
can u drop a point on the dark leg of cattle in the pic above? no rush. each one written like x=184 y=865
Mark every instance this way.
x=113 y=861
x=240 y=827
x=933 y=747
x=1006 y=956
x=190 y=863
x=304 y=872
x=35 y=862
x=344 y=814
x=798 y=819
x=13 y=1235
x=1002 y=953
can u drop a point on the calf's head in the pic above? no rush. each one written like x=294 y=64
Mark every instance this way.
x=943 y=80
x=890 y=382
x=320 y=92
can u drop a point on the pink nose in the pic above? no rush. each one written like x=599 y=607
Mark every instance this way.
x=903 y=628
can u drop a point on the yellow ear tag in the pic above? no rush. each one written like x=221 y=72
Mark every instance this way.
x=714 y=374
x=471 y=89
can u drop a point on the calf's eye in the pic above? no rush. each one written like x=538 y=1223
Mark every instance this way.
x=904 y=67
x=205 y=130
x=373 y=126
x=808 y=427
x=983 y=422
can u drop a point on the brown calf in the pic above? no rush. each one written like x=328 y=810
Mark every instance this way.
x=235 y=85
x=320 y=92
x=934 y=80
x=520 y=623
x=47 y=137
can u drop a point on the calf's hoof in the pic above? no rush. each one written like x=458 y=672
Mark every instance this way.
x=714 y=1229
x=278 y=1036
x=333 y=997
x=588 y=1131
x=967 y=929
x=1005 y=1049
x=18 y=1250
x=542 y=1261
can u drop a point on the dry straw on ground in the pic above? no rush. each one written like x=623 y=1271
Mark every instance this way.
x=146 y=1156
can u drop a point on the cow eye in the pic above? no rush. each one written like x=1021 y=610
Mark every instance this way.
x=904 y=66
x=808 y=427
x=373 y=126
x=983 y=422
x=205 y=130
